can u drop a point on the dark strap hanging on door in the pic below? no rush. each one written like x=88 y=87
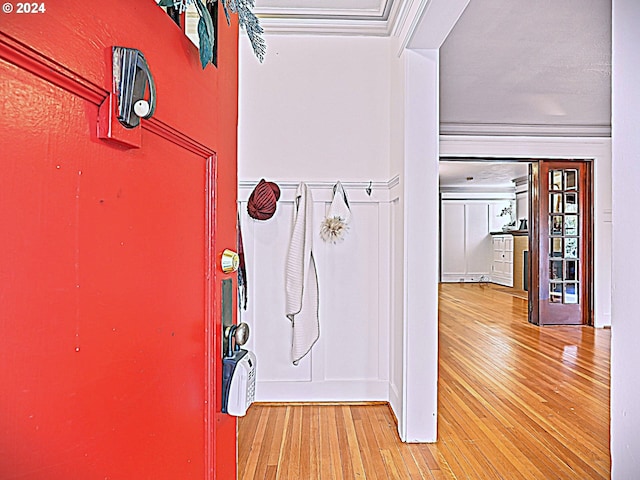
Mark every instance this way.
x=242 y=272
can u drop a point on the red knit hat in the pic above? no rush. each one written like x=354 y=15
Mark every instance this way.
x=262 y=201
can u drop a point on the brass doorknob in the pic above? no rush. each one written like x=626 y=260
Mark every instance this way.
x=229 y=261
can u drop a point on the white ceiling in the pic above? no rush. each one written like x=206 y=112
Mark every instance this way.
x=538 y=67
x=482 y=174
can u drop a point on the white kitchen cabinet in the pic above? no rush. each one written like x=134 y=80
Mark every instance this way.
x=502 y=266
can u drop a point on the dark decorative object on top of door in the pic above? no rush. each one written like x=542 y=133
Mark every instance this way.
x=206 y=25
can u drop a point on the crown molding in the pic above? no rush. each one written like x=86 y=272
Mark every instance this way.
x=425 y=24
x=408 y=9
x=523 y=180
x=462 y=194
x=482 y=191
x=392 y=18
x=325 y=26
x=301 y=12
x=527 y=130
x=331 y=21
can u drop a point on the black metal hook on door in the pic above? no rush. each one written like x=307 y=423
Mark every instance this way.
x=131 y=75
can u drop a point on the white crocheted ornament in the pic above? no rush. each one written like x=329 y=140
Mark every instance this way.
x=336 y=224
x=333 y=229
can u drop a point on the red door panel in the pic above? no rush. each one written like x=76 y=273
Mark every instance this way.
x=109 y=299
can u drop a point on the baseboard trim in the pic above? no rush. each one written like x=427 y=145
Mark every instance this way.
x=393 y=415
x=325 y=404
x=323 y=391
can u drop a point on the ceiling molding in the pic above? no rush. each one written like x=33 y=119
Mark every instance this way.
x=324 y=26
x=330 y=21
x=407 y=20
x=487 y=192
x=524 y=180
x=432 y=22
x=492 y=129
x=330 y=13
x=390 y=18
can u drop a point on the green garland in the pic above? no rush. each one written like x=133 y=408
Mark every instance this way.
x=246 y=18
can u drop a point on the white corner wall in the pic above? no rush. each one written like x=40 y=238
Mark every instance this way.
x=323 y=109
x=318 y=111
x=625 y=325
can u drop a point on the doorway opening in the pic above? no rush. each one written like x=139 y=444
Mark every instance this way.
x=484 y=218
x=526 y=225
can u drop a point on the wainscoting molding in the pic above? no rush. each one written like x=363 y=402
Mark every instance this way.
x=351 y=360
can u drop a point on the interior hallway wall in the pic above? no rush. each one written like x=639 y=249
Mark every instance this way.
x=318 y=111
x=625 y=327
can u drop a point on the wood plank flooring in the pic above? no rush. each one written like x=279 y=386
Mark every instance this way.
x=515 y=402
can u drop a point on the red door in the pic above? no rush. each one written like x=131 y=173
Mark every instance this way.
x=109 y=278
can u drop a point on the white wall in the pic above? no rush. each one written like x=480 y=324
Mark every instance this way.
x=522 y=200
x=420 y=235
x=625 y=328
x=396 y=233
x=522 y=207
x=466 y=252
x=318 y=108
x=597 y=149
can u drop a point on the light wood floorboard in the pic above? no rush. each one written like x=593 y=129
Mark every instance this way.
x=515 y=401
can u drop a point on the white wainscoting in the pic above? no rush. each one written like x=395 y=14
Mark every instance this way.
x=350 y=361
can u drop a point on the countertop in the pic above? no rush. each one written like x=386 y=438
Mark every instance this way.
x=511 y=232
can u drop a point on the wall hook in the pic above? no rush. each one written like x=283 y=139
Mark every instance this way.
x=368 y=189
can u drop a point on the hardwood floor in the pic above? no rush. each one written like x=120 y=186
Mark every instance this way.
x=516 y=401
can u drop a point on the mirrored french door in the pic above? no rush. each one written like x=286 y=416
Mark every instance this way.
x=560 y=243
